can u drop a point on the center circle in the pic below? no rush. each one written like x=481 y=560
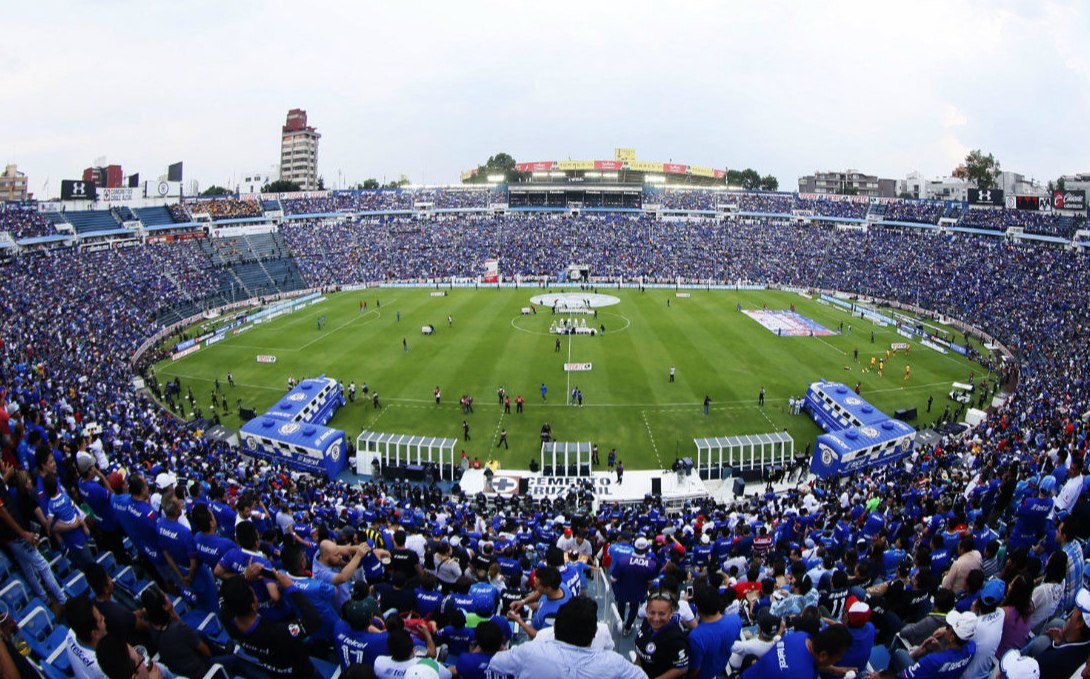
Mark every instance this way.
x=574 y=300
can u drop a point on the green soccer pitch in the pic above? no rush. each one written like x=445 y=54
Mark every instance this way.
x=628 y=401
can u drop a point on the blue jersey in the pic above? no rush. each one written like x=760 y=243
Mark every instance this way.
x=710 y=645
x=632 y=573
x=120 y=503
x=473 y=665
x=211 y=548
x=355 y=647
x=177 y=541
x=145 y=534
x=61 y=510
x=98 y=499
x=948 y=664
x=1031 y=516
x=427 y=601
x=320 y=594
x=571 y=577
x=225 y=518
x=546 y=611
x=457 y=639
x=787 y=659
x=236 y=561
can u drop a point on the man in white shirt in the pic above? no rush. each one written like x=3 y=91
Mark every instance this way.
x=570 y=655
x=1070 y=492
x=768 y=631
x=989 y=629
x=86 y=628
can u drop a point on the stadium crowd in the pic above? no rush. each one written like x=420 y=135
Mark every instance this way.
x=225 y=208
x=970 y=549
x=24 y=221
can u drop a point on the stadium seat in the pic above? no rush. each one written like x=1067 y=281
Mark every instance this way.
x=6 y=567
x=61 y=567
x=325 y=668
x=52 y=672
x=207 y=625
x=18 y=599
x=106 y=559
x=46 y=641
x=879 y=659
x=216 y=671
x=77 y=585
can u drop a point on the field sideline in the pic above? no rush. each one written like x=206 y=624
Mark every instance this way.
x=628 y=402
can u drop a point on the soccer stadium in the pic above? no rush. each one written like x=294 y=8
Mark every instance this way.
x=268 y=361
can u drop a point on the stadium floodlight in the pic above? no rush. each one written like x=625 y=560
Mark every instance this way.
x=609 y=175
x=656 y=179
x=558 y=174
x=593 y=174
x=540 y=174
x=496 y=178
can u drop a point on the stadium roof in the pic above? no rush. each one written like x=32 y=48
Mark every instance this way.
x=624 y=169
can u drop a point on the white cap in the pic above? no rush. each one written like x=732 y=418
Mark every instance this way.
x=641 y=544
x=165 y=480
x=1014 y=665
x=1082 y=602
x=964 y=624
x=421 y=670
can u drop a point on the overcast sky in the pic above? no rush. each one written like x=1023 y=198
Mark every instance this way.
x=428 y=89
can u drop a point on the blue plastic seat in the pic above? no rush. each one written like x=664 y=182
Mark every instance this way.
x=77 y=586
x=45 y=639
x=18 y=599
x=325 y=668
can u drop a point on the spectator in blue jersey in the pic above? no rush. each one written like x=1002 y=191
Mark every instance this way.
x=224 y=513
x=211 y=546
x=359 y=640
x=145 y=533
x=320 y=593
x=943 y=655
x=801 y=656
x=277 y=645
x=549 y=595
x=95 y=491
x=631 y=573
x=67 y=521
x=237 y=560
x=711 y=642
x=455 y=635
x=1030 y=519
x=179 y=549
x=427 y=596
x=488 y=641
x=857 y=619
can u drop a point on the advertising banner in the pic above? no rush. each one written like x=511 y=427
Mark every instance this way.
x=77 y=189
x=109 y=195
x=608 y=164
x=985 y=197
x=1069 y=200
x=539 y=166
